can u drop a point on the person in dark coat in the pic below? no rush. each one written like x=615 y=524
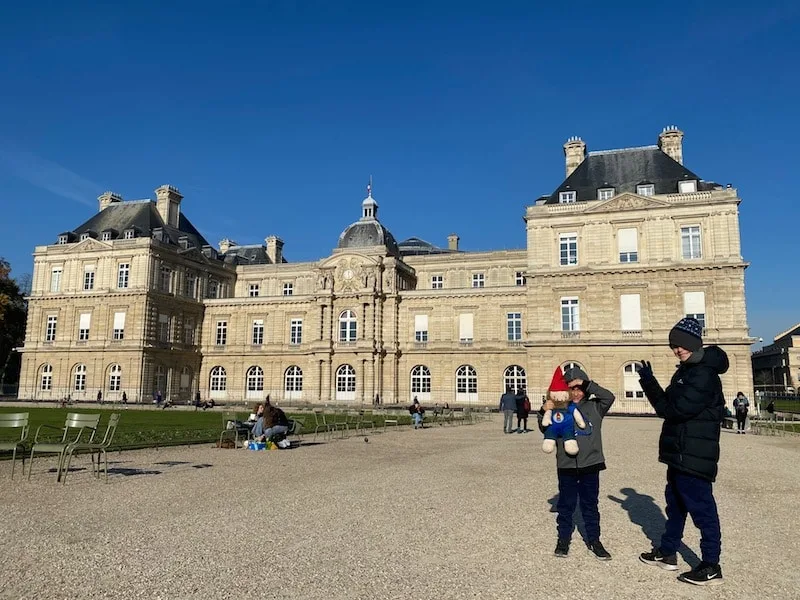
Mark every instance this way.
x=692 y=407
x=523 y=408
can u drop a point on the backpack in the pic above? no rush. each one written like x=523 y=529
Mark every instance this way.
x=526 y=405
x=741 y=407
x=771 y=406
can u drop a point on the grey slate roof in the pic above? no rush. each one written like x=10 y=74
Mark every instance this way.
x=624 y=170
x=143 y=216
x=247 y=255
x=368 y=232
x=414 y=246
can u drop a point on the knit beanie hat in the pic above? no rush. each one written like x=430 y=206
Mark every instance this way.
x=559 y=390
x=687 y=333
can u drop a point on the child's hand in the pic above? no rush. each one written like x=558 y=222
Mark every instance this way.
x=548 y=405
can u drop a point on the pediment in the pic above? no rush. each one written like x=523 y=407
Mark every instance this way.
x=194 y=254
x=627 y=201
x=89 y=245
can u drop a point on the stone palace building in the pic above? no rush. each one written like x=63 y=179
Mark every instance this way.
x=136 y=300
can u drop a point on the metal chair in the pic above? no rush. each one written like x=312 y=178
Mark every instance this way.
x=321 y=424
x=92 y=448
x=75 y=425
x=15 y=421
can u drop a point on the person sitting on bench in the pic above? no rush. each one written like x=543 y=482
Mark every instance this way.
x=273 y=422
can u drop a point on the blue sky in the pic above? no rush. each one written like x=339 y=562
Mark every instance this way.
x=270 y=117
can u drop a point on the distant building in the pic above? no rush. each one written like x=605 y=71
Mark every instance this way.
x=136 y=300
x=776 y=367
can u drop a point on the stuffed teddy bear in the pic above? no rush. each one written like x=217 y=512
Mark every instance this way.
x=560 y=422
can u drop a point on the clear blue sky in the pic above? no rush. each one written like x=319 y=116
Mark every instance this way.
x=266 y=115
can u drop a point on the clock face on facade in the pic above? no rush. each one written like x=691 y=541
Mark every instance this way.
x=348 y=273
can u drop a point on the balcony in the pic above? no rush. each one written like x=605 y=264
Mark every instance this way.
x=632 y=333
x=570 y=335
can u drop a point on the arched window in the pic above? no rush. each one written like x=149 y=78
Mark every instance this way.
x=293 y=383
x=47 y=378
x=348 y=326
x=514 y=377
x=345 y=383
x=115 y=378
x=218 y=382
x=255 y=382
x=466 y=384
x=80 y=378
x=571 y=365
x=632 y=400
x=421 y=383
x=631 y=381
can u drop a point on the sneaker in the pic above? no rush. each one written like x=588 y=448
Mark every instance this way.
x=562 y=548
x=597 y=549
x=703 y=574
x=657 y=559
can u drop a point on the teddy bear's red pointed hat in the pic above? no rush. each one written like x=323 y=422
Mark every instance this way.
x=558 y=384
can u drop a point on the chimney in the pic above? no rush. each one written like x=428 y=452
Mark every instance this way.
x=670 y=140
x=107 y=198
x=275 y=249
x=225 y=244
x=168 y=203
x=575 y=152
x=452 y=242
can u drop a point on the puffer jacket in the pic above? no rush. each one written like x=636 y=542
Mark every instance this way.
x=692 y=407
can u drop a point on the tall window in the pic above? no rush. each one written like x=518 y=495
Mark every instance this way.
x=694 y=305
x=88 y=277
x=50 y=332
x=421 y=328
x=222 y=333
x=347 y=326
x=288 y=289
x=255 y=381
x=55 y=279
x=568 y=249
x=119 y=326
x=188 y=332
x=80 y=378
x=296 y=332
x=630 y=312
x=254 y=289
x=466 y=380
x=123 y=274
x=83 y=326
x=519 y=278
x=293 y=380
x=631 y=381
x=186 y=380
x=628 y=245
x=165 y=284
x=219 y=379
x=345 y=379
x=514 y=326
x=690 y=242
x=570 y=320
x=115 y=379
x=478 y=280
x=258 y=332
x=465 y=328
x=420 y=380
x=164 y=328
x=190 y=285
x=514 y=377
x=47 y=378
x=437 y=282
x=213 y=288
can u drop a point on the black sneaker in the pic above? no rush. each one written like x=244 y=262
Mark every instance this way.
x=657 y=559
x=703 y=574
x=597 y=549
x=562 y=548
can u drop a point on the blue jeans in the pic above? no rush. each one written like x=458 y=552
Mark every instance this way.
x=417 y=420
x=571 y=489
x=258 y=429
x=687 y=494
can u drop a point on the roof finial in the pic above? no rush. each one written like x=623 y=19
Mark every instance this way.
x=369 y=187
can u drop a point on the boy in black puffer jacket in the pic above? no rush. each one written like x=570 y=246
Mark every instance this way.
x=692 y=407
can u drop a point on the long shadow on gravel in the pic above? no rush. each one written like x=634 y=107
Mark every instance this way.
x=644 y=512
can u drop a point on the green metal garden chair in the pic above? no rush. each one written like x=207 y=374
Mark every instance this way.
x=76 y=427
x=15 y=421
x=93 y=448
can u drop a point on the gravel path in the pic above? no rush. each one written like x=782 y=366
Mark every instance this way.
x=445 y=512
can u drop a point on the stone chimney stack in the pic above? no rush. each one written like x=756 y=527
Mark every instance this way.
x=670 y=140
x=275 y=249
x=225 y=244
x=107 y=198
x=452 y=242
x=575 y=152
x=168 y=203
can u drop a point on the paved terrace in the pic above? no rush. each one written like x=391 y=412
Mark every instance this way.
x=446 y=512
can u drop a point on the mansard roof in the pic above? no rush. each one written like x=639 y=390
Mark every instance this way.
x=142 y=216
x=415 y=246
x=255 y=254
x=623 y=170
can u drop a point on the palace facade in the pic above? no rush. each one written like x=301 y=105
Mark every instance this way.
x=136 y=300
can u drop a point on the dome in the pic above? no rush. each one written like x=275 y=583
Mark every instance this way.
x=368 y=232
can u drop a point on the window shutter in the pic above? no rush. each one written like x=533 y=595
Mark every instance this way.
x=694 y=303
x=630 y=312
x=119 y=320
x=465 y=326
x=627 y=240
x=86 y=319
x=420 y=323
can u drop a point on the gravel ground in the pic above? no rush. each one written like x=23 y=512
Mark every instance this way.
x=445 y=512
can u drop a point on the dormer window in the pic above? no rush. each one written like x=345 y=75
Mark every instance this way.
x=106 y=236
x=687 y=186
x=85 y=236
x=566 y=197
x=605 y=193
x=646 y=189
x=128 y=235
x=62 y=239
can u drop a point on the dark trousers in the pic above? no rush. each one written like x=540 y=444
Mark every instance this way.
x=522 y=422
x=572 y=489
x=687 y=494
x=741 y=418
